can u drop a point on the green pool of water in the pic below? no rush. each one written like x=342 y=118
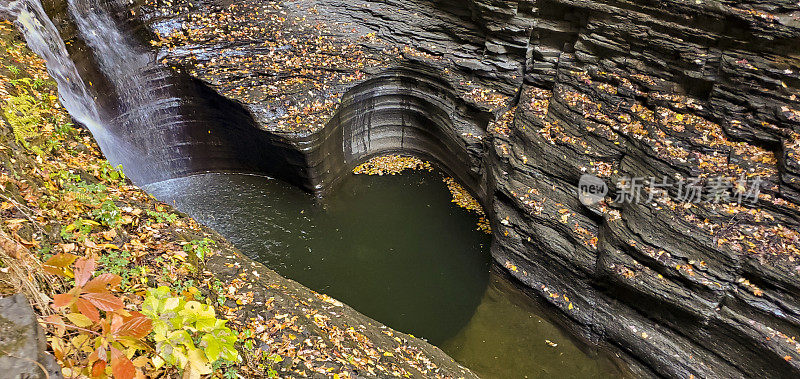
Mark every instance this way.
x=396 y=249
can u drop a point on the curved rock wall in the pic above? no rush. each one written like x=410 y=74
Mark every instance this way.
x=519 y=99
x=608 y=88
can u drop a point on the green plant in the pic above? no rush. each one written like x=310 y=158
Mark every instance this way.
x=108 y=214
x=187 y=333
x=199 y=248
x=78 y=228
x=162 y=217
x=219 y=290
x=274 y=359
x=62 y=177
x=38 y=83
x=89 y=194
x=109 y=173
x=116 y=262
x=23 y=114
x=14 y=70
x=64 y=128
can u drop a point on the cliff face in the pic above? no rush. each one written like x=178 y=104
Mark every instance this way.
x=519 y=99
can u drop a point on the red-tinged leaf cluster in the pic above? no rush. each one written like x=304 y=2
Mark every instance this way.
x=96 y=324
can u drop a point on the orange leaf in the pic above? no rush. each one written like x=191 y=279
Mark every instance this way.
x=101 y=283
x=136 y=326
x=63 y=299
x=84 y=268
x=104 y=300
x=87 y=309
x=98 y=369
x=121 y=366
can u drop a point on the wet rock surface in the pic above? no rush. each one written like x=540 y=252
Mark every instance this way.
x=519 y=99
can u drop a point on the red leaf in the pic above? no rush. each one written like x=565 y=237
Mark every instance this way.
x=63 y=299
x=136 y=325
x=121 y=366
x=57 y=263
x=84 y=268
x=101 y=283
x=87 y=309
x=104 y=300
x=98 y=369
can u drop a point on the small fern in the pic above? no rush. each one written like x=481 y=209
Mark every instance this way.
x=23 y=114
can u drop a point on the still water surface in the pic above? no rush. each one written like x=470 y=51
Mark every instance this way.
x=396 y=249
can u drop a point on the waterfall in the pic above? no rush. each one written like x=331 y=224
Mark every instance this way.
x=43 y=38
x=157 y=123
x=148 y=107
x=138 y=124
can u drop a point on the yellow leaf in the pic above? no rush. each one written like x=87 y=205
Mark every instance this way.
x=198 y=362
x=79 y=340
x=140 y=361
x=79 y=320
x=570 y=306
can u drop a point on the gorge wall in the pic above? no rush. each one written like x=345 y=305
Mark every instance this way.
x=519 y=99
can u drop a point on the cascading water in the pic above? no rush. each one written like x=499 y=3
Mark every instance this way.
x=43 y=38
x=146 y=107
x=155 y=122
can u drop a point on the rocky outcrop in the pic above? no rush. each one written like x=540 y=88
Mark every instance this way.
x=519 y=99
x=22 y=342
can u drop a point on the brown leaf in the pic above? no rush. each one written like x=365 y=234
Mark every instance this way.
x=57 y=323
x=63 y=300
x=58 y=263
x=136 y=325
x=98 y=369
x=12 y=248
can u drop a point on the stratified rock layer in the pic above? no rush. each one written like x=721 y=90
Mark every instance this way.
x=518 y=99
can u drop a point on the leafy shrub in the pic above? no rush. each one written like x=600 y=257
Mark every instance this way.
x=188 y=335
x=109 y=173
x=102 y=335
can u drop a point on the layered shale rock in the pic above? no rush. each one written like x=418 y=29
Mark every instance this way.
x=519 y=99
